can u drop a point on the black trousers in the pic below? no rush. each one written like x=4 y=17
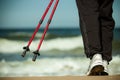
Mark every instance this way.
x=97 y=25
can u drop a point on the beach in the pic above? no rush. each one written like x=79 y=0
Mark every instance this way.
x=65 y=78
x=62 y=54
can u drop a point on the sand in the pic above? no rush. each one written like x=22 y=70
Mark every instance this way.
x=117 y=77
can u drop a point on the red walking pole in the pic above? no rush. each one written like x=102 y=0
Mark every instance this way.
x=26 y=48
x=36 y=53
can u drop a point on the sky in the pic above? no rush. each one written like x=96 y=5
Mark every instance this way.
x=27 y=13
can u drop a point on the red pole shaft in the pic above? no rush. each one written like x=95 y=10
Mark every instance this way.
x=40 y=22
x=48 y=23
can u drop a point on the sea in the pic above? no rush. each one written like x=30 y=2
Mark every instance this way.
x=61 y=53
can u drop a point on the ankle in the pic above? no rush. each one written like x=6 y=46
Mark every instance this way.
x=97 y=56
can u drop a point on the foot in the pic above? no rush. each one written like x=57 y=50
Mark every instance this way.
x=96 y=66
x=105 y=64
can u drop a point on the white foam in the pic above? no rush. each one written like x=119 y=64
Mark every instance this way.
x=53 y=67
x=11 y=46
x=44 y=67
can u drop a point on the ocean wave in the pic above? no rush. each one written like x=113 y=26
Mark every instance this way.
x=23 y=34
x=45 y=67
x=27 y=35
x=20 y=36
x=14 y=46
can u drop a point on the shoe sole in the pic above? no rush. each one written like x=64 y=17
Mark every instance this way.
x=97 y=70
x=104 y=73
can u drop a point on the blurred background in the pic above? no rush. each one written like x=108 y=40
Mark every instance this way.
x=62 y=50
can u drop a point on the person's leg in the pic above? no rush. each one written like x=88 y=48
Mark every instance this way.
x=90 y=26
x=89 y=15
x=97 y=29
x=107 y=26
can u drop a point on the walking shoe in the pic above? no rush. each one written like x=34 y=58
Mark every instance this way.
x=105 y=64
x=96 y=66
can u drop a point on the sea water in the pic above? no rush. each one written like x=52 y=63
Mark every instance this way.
x=62 y=53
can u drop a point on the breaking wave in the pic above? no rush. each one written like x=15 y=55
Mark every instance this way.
x=69 y=43
x=45 y=67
